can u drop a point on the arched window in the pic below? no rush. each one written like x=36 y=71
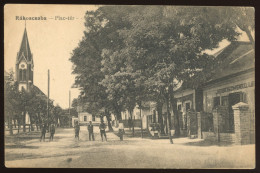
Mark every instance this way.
x=20 y=75
x=24 y=75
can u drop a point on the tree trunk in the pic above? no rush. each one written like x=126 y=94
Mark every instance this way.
x=131 y=115
x=133 y=122
x=10 y=124
x=140 y=106
x=24 y=125
x=169 y=120
x=160 y=116
x=15 y=122
x=18 y=122
x=118 y=115
x=38 y=121
x=166 y=122
x=31 y=122
x=175 y=112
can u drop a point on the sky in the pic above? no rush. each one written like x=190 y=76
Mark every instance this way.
x=51 y=42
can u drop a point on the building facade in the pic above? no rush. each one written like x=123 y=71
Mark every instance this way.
x=216 y=103
x=234 y=84
x=84 y=117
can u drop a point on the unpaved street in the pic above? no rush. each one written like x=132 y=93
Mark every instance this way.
x=66 y=152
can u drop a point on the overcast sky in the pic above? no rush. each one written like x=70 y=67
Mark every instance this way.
x=51 y=42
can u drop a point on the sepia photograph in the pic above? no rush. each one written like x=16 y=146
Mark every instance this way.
x=129 y=86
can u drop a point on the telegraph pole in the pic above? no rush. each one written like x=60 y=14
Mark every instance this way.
x=69 y=102
x=48 y=97
x=69 y=112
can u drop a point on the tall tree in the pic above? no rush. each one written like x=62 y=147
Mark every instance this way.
x=10 y=100
x=161 y=46
x=169 y=44
x=101 y=26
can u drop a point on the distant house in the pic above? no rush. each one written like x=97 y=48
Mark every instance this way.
x=84 y=117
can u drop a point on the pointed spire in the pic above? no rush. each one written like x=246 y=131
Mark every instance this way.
x=25 y=47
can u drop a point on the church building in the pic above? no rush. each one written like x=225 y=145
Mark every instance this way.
x=24 y=65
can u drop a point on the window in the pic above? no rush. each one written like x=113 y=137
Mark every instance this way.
x=20 y=75
x=187 y=106
x=216 y=101
x=179 y=107
x=224 y=101
x=93 y=118
x=85 y=118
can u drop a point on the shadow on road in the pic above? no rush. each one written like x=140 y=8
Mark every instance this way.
x=206 y=143
x=20 y=146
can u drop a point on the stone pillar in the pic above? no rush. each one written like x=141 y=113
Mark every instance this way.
x=199 y=125
x=242 y=123
x=216 y=123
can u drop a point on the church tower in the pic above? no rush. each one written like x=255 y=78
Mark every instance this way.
x=24 y=64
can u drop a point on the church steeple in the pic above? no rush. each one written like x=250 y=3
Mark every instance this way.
x=25 y=51
x=24 y=64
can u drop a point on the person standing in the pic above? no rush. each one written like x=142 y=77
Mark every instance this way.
x=129 y=123
x=43 y=132
x=102 y=128
x=90 y=131
x=52 y=132
x=121 y=131
x=77 y=129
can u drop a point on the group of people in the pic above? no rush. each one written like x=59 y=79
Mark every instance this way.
x=102 y=128
x=43 y=132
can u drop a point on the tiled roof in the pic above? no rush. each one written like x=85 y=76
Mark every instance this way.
x=237 y=57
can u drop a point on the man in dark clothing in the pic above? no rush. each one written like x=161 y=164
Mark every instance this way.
x=77 y=129
x=90 y=131
x=102 y=128
x=52 y=131
x=129 y=123
x=43 y=132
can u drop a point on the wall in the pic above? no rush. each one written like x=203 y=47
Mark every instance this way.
x=211 y=91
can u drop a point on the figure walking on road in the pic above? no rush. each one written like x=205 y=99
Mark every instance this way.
x=77 y=129
x=121 y=131
x=43 y=132
x=102 y=128
x=90 y=131
x=52 y=132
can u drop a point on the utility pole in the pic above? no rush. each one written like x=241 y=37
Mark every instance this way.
x=69 y=111
x=48 y=97
x=69 y=102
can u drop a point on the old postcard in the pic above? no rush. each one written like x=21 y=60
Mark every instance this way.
x=107 y=86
